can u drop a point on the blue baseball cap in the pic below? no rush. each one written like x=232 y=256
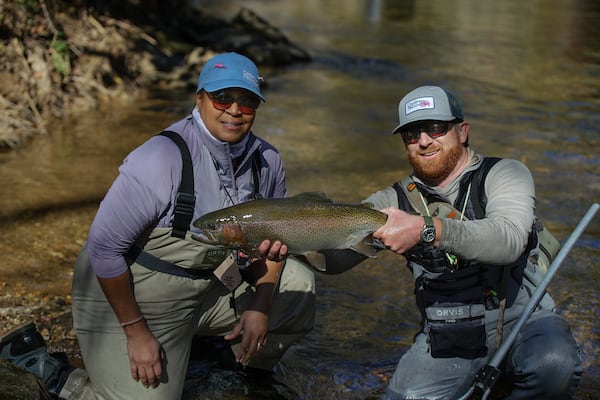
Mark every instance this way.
x=229 y=70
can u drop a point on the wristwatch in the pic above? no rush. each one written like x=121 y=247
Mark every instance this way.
x=428 y=231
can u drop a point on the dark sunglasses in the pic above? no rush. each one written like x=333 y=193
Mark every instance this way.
x=435 y=129
x=223 y=100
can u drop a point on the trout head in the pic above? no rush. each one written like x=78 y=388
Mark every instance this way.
x=225 y=232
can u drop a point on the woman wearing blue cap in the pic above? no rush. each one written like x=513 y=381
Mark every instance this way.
x=143 y=288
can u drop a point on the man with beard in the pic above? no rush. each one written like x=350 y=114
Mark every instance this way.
x=465 y=223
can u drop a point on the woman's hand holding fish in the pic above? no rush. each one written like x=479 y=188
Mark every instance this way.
x=276 y=252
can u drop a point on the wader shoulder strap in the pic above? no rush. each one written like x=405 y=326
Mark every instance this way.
x=478 y=197
x=407 y=189
x=185 y=199
x=411 y=192
x=256 y=165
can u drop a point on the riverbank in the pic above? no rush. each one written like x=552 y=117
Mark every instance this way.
x=62 y=57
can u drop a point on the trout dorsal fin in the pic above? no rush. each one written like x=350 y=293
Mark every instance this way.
x=313 y=196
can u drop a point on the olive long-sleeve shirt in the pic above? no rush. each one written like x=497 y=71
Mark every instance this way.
x=500 y=237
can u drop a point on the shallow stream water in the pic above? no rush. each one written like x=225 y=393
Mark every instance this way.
x=528 y=76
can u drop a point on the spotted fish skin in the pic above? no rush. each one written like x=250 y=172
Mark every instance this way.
x=307 y=222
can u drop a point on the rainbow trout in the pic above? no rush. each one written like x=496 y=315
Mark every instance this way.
x=306 y=223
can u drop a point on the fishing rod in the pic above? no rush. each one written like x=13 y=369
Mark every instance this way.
x=487 y=376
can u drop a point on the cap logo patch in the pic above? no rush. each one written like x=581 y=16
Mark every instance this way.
x=249 y=76
x=219 y=65
x=421 y=103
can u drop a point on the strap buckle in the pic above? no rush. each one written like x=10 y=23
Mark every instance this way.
x=183 y=213
x=184 y=203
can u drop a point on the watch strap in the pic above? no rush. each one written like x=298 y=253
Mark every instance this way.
x=428 y=231
x=428 y=221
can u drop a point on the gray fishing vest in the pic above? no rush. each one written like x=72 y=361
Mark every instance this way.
x=451 y=293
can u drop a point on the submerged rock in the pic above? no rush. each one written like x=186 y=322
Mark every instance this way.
x=18 y=384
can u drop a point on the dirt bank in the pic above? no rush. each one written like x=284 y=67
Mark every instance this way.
x=63 y=57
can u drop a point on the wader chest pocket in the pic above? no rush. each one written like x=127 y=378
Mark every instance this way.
x=456 y=330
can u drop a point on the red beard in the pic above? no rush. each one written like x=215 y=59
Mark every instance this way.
x=435 y=171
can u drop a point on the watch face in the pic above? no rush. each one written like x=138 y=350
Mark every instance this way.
x=428 y=234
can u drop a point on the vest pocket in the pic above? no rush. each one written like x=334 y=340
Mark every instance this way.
x=456 y=330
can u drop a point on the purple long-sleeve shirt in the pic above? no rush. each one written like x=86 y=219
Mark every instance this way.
x=142 y=196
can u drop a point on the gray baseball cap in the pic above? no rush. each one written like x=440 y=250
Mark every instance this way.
x=428 y=103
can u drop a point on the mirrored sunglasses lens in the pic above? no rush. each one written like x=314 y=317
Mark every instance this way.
x=221 y=101
x=247 y=110
x=436 y=128
x=248 y=101
x=221 y=106
x=248 y=104
x=410 y=136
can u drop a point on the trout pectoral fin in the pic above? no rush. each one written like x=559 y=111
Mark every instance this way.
x=316 y=260
x=200 y=237
x=365 y=247
x=333 y=261
x=377 y=244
